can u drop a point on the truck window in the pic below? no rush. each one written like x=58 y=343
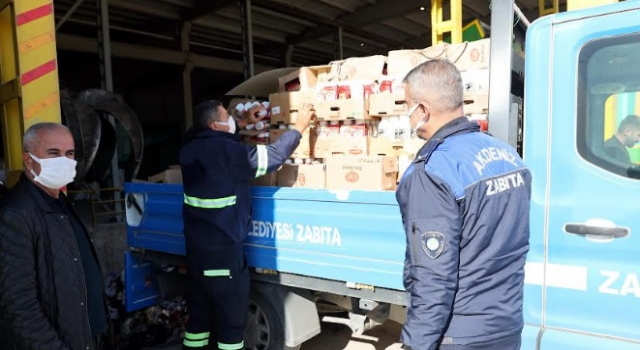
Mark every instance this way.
x=608 y=109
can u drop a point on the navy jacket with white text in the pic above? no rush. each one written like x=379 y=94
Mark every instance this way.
x=465 y=208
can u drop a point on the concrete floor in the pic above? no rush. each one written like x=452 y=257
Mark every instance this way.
x=339 y=337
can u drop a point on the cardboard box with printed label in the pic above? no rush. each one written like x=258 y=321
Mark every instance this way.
x=307 y=142
x=470 y=55
x=353 y=139
x=285 y=105
x=341 y=101
x=342 y=109
x=302 y=175
x=304 y=78
x=362 y=173
x=386 y=104
x=400 y=62
x=357 y=68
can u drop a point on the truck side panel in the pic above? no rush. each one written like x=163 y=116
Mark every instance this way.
x=345 y=236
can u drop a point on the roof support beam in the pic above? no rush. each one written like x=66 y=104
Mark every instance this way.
x=326 y=26
x=153 y=54
x=204 y=7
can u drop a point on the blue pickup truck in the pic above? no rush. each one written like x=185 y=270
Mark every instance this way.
x=315 y=253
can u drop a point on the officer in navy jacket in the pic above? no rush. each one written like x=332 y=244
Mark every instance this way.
x=216 y=170
x=465 y=209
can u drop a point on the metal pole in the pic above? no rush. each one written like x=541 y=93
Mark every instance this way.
x=500 y=71
x=247 y=38
x=523 y=18
x=340 y=43
x=186 y=76
x=288 y=56
x=250 y=37
x=68 y=14
x=104 y=53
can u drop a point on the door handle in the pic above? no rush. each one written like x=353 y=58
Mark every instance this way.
x=604 y=232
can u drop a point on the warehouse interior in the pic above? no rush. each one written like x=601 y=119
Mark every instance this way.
x=153 y=44
x=155 y=59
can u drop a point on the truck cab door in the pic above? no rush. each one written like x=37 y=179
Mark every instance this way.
x=591 y=273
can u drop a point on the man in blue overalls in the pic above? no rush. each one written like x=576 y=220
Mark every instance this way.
x=465 y=209
x=216 y=171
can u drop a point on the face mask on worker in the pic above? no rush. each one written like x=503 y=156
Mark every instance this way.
x=421 y=122
x=231 y=123
x=55 y=173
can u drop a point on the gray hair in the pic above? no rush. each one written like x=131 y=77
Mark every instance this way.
x=31 y=135
x=438 y=82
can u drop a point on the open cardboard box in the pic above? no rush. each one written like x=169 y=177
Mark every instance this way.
x=303 y=78
x=387 y=104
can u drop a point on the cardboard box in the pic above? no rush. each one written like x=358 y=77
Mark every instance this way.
x=386 y=104
x=270 y=180
x=173 y=175
x=476 y=103
x=470 y=55
x=362 y=173
x=351 y=146
x=476 y=80
x=354 y=108
x=303 y=176
x=400 y=62
x=285 y=105
x=306 y=146
x=323 y=147
x=381 y=146
x=357 y=68
x=304 y=78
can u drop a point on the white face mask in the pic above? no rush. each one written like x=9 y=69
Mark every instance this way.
x=231 y=123
x=55 y=173
x=420 y=123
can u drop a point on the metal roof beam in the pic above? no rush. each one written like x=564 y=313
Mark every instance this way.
x=153 y=54
x=380 y=11
x=327 y=26
x=203 y=8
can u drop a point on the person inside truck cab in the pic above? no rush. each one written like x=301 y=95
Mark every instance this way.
x=627 y=136
x=465 y=208
x=217 y=169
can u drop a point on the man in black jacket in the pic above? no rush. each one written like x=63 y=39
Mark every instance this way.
x=51 y=292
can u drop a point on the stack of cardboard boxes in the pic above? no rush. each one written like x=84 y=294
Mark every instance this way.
x=362 y=138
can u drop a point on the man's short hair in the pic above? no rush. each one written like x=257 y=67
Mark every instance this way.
x=206 y=112
x=31 y=135
x=631 y=122
x=439 y=83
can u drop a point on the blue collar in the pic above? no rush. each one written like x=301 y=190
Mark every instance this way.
x=460 y=125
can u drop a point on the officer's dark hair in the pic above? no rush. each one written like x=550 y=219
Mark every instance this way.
x=203 y=114
x=630 y=122
x=206 y=112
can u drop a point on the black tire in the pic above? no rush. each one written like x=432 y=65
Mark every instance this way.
x=265 y=328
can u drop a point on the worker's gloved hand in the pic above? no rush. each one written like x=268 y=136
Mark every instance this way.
x=305 y=115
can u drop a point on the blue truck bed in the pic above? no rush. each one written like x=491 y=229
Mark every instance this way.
x=345 y=236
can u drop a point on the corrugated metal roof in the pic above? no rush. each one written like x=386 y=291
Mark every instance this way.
x=369 y=26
